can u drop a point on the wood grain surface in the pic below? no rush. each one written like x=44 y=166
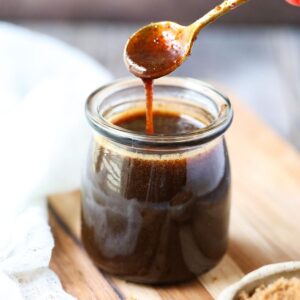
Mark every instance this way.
x=264 y=229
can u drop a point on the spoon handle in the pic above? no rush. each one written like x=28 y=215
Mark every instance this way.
x=215 y=13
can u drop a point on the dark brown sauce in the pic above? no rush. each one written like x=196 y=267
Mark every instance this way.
x=155 y=218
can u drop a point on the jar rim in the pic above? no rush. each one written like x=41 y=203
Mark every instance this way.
x=127 y=137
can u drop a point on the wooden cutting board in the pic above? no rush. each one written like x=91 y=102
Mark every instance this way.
x=265 y=222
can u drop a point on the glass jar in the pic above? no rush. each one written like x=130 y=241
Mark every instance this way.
x=155 y=208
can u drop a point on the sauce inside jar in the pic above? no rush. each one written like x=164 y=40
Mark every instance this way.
x=156 y=218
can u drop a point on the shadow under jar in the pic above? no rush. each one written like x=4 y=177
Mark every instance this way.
x=155 y=208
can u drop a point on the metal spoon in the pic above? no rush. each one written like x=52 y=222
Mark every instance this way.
x=159 y=48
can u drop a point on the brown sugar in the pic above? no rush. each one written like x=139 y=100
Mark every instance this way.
x=281 y=289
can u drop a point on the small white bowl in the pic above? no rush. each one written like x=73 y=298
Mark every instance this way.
x=264 y=275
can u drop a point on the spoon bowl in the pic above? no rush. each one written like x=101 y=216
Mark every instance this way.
x=162 y=47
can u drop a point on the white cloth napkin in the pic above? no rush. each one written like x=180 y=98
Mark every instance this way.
x=43 y=140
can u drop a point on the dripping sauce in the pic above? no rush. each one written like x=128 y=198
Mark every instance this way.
x=148 y=83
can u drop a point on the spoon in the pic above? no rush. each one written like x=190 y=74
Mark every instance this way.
x=159 y=48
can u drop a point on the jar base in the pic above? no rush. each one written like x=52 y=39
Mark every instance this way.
x=158 y=281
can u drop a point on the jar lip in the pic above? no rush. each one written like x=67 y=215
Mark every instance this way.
x=127 y=137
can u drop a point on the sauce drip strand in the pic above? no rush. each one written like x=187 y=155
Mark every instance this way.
x=148 y=83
